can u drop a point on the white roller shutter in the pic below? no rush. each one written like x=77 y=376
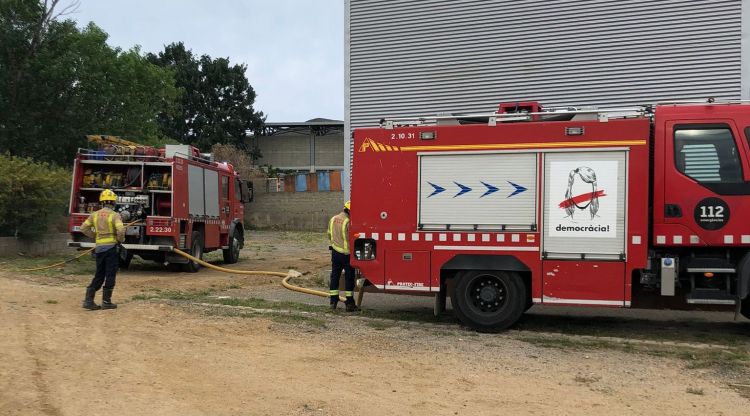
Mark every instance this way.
x=485 y=191
x=196 y=200
x=584 y=205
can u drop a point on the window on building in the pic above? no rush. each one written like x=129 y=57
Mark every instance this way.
x=708 y=155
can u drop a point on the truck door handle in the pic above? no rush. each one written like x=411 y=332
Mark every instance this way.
x=672 y=211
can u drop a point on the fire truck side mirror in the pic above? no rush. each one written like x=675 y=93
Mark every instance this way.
x=247 y=191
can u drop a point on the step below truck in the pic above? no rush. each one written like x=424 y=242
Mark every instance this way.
x=171 y=197
x=626 y=207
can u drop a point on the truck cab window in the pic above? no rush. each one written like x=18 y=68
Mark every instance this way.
x=707 y=155
x=238 y=189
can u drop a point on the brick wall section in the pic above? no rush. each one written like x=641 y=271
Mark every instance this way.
x=309 y=211
x=50 y=244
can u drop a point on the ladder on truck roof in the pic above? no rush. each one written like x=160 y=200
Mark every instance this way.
x=491 y=119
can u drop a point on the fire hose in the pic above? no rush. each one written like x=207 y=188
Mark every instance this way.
x=285 y=282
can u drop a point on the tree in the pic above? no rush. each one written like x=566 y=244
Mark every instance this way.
x=32 y=196
x=59 y=83
x=216 y=105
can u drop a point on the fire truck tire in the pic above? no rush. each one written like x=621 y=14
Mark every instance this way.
x=745 y=309
x=196 y=250
x=232 y=254
x=125 y=258
x=488 y=300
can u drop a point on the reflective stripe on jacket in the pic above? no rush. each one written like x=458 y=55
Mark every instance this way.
x=106 y=225
x=338 y=232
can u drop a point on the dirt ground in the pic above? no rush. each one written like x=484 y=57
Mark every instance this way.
x=216 y=344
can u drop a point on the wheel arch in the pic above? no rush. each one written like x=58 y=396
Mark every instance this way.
x=494 y=262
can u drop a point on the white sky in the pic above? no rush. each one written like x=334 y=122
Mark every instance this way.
x=293 y=49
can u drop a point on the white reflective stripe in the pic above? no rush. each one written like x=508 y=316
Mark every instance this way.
x=408 y=288
x=486 y=248
x=546 y=299
x=414 y=236
x=536 y=300
x=728 y=239
x=627 y=303
x=676 y=239
x=661 y=239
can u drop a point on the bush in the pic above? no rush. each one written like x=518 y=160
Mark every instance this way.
x=33 y=195
x=241 y=161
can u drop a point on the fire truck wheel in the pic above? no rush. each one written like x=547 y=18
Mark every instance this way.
x=196 y=250
x=125 y=258
x=232 y=254
x=745 y=311
x=488 y=300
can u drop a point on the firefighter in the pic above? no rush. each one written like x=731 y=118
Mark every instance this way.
x=106 y=226
x=338 y=234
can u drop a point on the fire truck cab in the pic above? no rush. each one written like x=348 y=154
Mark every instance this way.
x=622 y=207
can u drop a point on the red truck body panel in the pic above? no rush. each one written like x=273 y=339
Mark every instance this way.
x=393 y=192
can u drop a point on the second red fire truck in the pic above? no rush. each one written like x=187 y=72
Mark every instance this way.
x=171 y=197
x=626 y=207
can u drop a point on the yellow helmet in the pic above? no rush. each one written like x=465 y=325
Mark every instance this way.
x=348 y=205
x=107 y=195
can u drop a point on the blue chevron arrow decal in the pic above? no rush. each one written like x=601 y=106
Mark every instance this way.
x=490 y=189
x=464 y=189
x=437 y=190
x=518 y=190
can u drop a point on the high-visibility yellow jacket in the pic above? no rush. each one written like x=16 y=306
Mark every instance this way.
x=338 y=232
x=106 y=225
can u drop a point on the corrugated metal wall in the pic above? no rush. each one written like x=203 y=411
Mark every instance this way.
x=413 y=57
x=409 y=57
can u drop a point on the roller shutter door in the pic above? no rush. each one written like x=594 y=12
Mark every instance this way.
x=492 y=191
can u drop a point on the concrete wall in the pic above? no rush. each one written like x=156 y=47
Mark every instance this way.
x=293 y=210
x=291 y=150
x=50 y=244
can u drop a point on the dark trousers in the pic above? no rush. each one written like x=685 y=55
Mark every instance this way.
x=340 y=262
x=107 y=263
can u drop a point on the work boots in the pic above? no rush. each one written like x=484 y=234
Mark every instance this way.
x=351 y=306
x=88 y=302
x=107 y=299
x=334 y=302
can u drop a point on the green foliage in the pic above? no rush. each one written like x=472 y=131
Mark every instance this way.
x=32 y=196
x=59 y=83
x=216 y=105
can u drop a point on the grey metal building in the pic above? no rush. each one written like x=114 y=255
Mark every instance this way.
x=411 y=57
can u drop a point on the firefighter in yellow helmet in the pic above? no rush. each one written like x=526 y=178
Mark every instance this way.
x=338 y=234
x=106 y=226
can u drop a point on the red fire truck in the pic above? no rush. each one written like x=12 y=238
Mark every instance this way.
x=625 y=207
x=174 y=197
